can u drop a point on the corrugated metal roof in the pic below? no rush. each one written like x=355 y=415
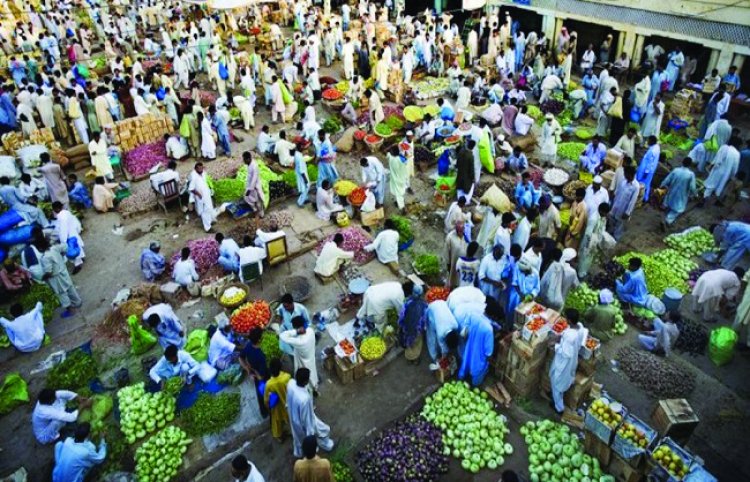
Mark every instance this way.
x=696 y=27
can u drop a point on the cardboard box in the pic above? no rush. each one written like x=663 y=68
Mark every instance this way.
x=345 y=369
x=520 y=387
x=674 y=418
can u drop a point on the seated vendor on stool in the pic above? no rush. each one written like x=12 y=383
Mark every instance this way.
x=332 y=257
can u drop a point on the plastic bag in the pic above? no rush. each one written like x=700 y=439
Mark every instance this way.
x=197 y=345
x=140 y=338
x=721 y=345
x=101 y=407
x=8 y=219
x=206 y=372
x=20 y=235
x=495 y=197
x=13 y=393
x=74 y=250
x=223 y=72
x=712 y=145
x=286 y=97
x=185 y=127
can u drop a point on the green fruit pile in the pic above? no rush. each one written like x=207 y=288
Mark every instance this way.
x=159 y=458
x=342 y=472
x=141 y=412
x=556 y=454
x=670 y=257
x=692 y=244
x=659 y=275
x=472 y=430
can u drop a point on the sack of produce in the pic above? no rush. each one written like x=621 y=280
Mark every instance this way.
x=16 y=235
x=197 y=345
x=8 y=219
x=8 y=167
x=13 y=392
x=29 y=155
x=346 y=143
x=141 y=340
x=495 y=197
x=721 y=345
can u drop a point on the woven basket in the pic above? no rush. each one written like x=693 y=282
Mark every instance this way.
x=232 y=306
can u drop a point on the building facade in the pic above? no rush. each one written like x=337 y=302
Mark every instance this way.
x=717 y=32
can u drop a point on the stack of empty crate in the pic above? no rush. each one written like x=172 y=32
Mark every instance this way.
x=135 y=131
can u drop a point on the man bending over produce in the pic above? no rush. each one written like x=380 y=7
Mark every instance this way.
x=167 y=325
x=380 y=298
x=77 y=455
x=663 y=336
x=49 y=414
x=441 y=332
x=385 y=246
x=600 y=318
x=332 y=257
x=174 y=363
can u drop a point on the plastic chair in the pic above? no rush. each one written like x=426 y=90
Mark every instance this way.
x=277 y=251
x=250 y=272
x=167 y=192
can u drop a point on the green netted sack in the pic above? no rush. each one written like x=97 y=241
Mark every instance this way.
x=13 y=393
x=721 y=345
x=197 y=345
x=141 y=340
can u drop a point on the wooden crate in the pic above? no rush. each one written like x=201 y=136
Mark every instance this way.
x=520 y=387
x=532 y=351
x=597 y=449
x=345 y=369
x=588 y=367
x=518 y=363
x=579 y=392
x=674 y=418
x=621 y=470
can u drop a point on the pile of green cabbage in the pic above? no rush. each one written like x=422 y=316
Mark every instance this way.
x=159 y=458
x=556 y=454
x=691 y=244
x=662 y=272
x=142 y=412
x=472 y=430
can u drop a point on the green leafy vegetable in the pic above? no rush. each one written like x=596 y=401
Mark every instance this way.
x=74 y=372
x=269 y=345
x=403 y=226
x=211 y=413
x=427 y=264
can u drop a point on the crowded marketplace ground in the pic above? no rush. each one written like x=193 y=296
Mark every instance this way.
x=475 y=271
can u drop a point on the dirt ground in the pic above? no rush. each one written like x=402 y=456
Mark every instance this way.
x=358 y=411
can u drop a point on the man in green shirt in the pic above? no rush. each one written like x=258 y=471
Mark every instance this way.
x=600 y=319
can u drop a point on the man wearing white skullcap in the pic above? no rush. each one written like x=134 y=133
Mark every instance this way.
x=600 y=318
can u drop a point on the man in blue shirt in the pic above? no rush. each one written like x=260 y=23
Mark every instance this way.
x=76 y=455
x=632 y=289
x=732 y=80
x=253 y=361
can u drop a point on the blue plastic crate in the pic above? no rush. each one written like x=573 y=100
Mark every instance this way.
x=686 y=457
x=627 y=450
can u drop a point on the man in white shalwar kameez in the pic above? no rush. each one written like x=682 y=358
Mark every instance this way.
x=166 y=324
x=562 y=372
x=26 y=331
x=68 y=226
x=204 y=205
x=373 y=177
x=385 y=245
x=491 y=272
x=44 y=107
x=302 y=418
x=347 y=52
x=302 y=341
x=726 y=164
x=378 y=299
x=713 y=288
x=550 y=293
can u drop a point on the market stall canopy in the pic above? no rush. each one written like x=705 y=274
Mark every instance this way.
x=473 y=4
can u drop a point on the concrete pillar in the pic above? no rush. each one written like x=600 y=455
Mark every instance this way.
x=712 y=60
x=739 y=61
x=620 y=44
x=548 y=27
x=558 y=28
x=637 y=52
x=725 y=59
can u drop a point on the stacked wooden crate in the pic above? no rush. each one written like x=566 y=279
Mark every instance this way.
x=133 y=132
